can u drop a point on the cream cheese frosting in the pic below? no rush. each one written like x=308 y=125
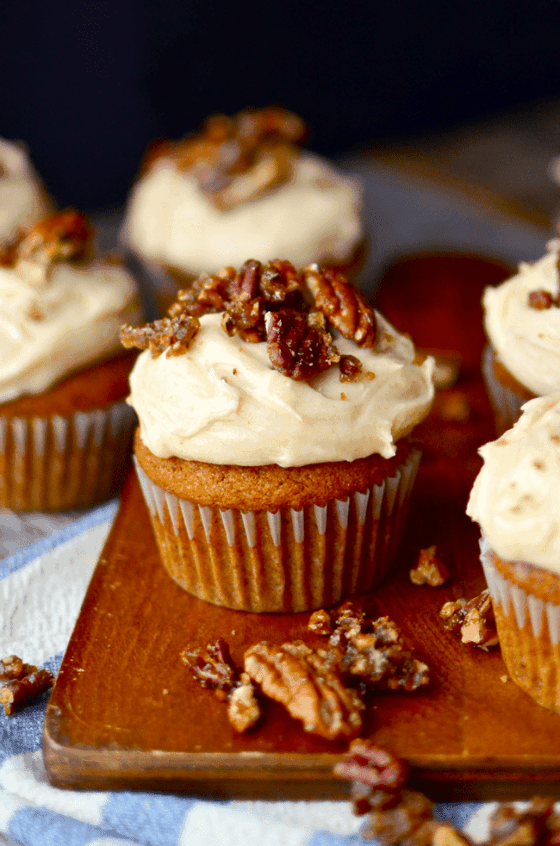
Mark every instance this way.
x=22 y=199
x=315 y=216
x=526 y=339
x=515 y=495
x=54 y=323
x=222 y=402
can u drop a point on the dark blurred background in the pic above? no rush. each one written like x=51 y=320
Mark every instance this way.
x=88 y=86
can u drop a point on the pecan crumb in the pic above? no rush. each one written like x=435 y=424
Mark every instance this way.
x=350 y=368
x=429 y=569
x=473 y=620
x=21 y=683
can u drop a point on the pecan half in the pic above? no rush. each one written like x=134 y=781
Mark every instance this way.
x=296 y=346
x=308 y=687
x=429 y=569
x=473 y=620
x=344 y=306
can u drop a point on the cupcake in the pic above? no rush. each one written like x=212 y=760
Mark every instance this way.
x=65 y=429
x=514 y=499
x=241 y=187
x=273 y=453
x=522 y=322
x=23 y=200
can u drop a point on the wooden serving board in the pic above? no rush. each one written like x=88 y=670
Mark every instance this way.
x=125 y=712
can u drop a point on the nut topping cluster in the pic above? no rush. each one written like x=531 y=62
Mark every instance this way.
x=235 y=159
x=21 y=683
x=292 y=311
x=61 y=236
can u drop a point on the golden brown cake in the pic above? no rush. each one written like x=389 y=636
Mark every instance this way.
x=274 y=410
x=514 y=499
x=65 y=428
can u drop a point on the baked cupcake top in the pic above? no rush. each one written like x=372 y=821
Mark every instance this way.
x=241 y=187
x=22 y=198
x=515 y=495
x=59 y=311
x=270 y=365
x=522 y=321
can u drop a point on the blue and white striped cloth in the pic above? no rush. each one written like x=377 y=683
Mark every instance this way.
x=41 y=590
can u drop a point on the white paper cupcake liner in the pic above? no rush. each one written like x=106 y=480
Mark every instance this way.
x=529 y=633
x=60 y=463
x=506 y=404
x=284 y=560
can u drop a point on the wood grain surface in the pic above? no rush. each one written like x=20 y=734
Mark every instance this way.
x=125 y=712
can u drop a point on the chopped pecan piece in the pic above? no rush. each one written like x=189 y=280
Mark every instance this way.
x=320 y=622
x=534 y=825
x=17 y=692
x=243 y=708
x=212 y=666
x=429 y=569
x=350 y=368
x=342 y=303
x=308 y=686
x=373 y=766
x=296 y=346
x=174 y=335
x=473 y=620
x=541 y=300
x=12 y=667
x=62 y=236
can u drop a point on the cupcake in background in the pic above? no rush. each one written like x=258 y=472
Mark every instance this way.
x=515 y=501
x=65 y=429
x=522 y=322
x=241 y=187
x=275 y=407
x=23 y=200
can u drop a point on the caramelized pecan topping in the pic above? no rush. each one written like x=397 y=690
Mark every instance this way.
x=21 y=683
x=174 y=335
x=342 y=304
x=429 y=569
x=473 y=620
x=298 y=345
x=308 y=686
x=61 y=236
x=234 y=159
x=350 y=368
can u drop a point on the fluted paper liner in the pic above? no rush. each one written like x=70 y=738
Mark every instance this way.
x=529 y=633
x=61 y=463
x=506 y=404
x=283 y=560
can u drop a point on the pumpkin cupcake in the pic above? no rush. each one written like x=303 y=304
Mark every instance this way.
x=242 y=186
x=65 y=430
x=514 y=500
x=522 y=322
x=275 y=407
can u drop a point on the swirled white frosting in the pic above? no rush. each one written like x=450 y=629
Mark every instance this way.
x=52 y=326
x=527 y=340
x=22 y=200
x=223 y=403
x=515 y=496
x=313 y=217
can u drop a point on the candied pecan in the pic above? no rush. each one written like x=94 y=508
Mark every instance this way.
x=296 y=347
x=309 y=688
x=374 y=766
x=243 y=708
x=212 y=666
x=279 y=280
x=174 y=335
x=12 y=667
x=429 y=569
x=541 y=300
x=15 y=693
x=64 y=235
x=320 y=622
x=409 y=823
x=534 y=824
x=342 y=304
x=350 y=368
x=473 y=620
